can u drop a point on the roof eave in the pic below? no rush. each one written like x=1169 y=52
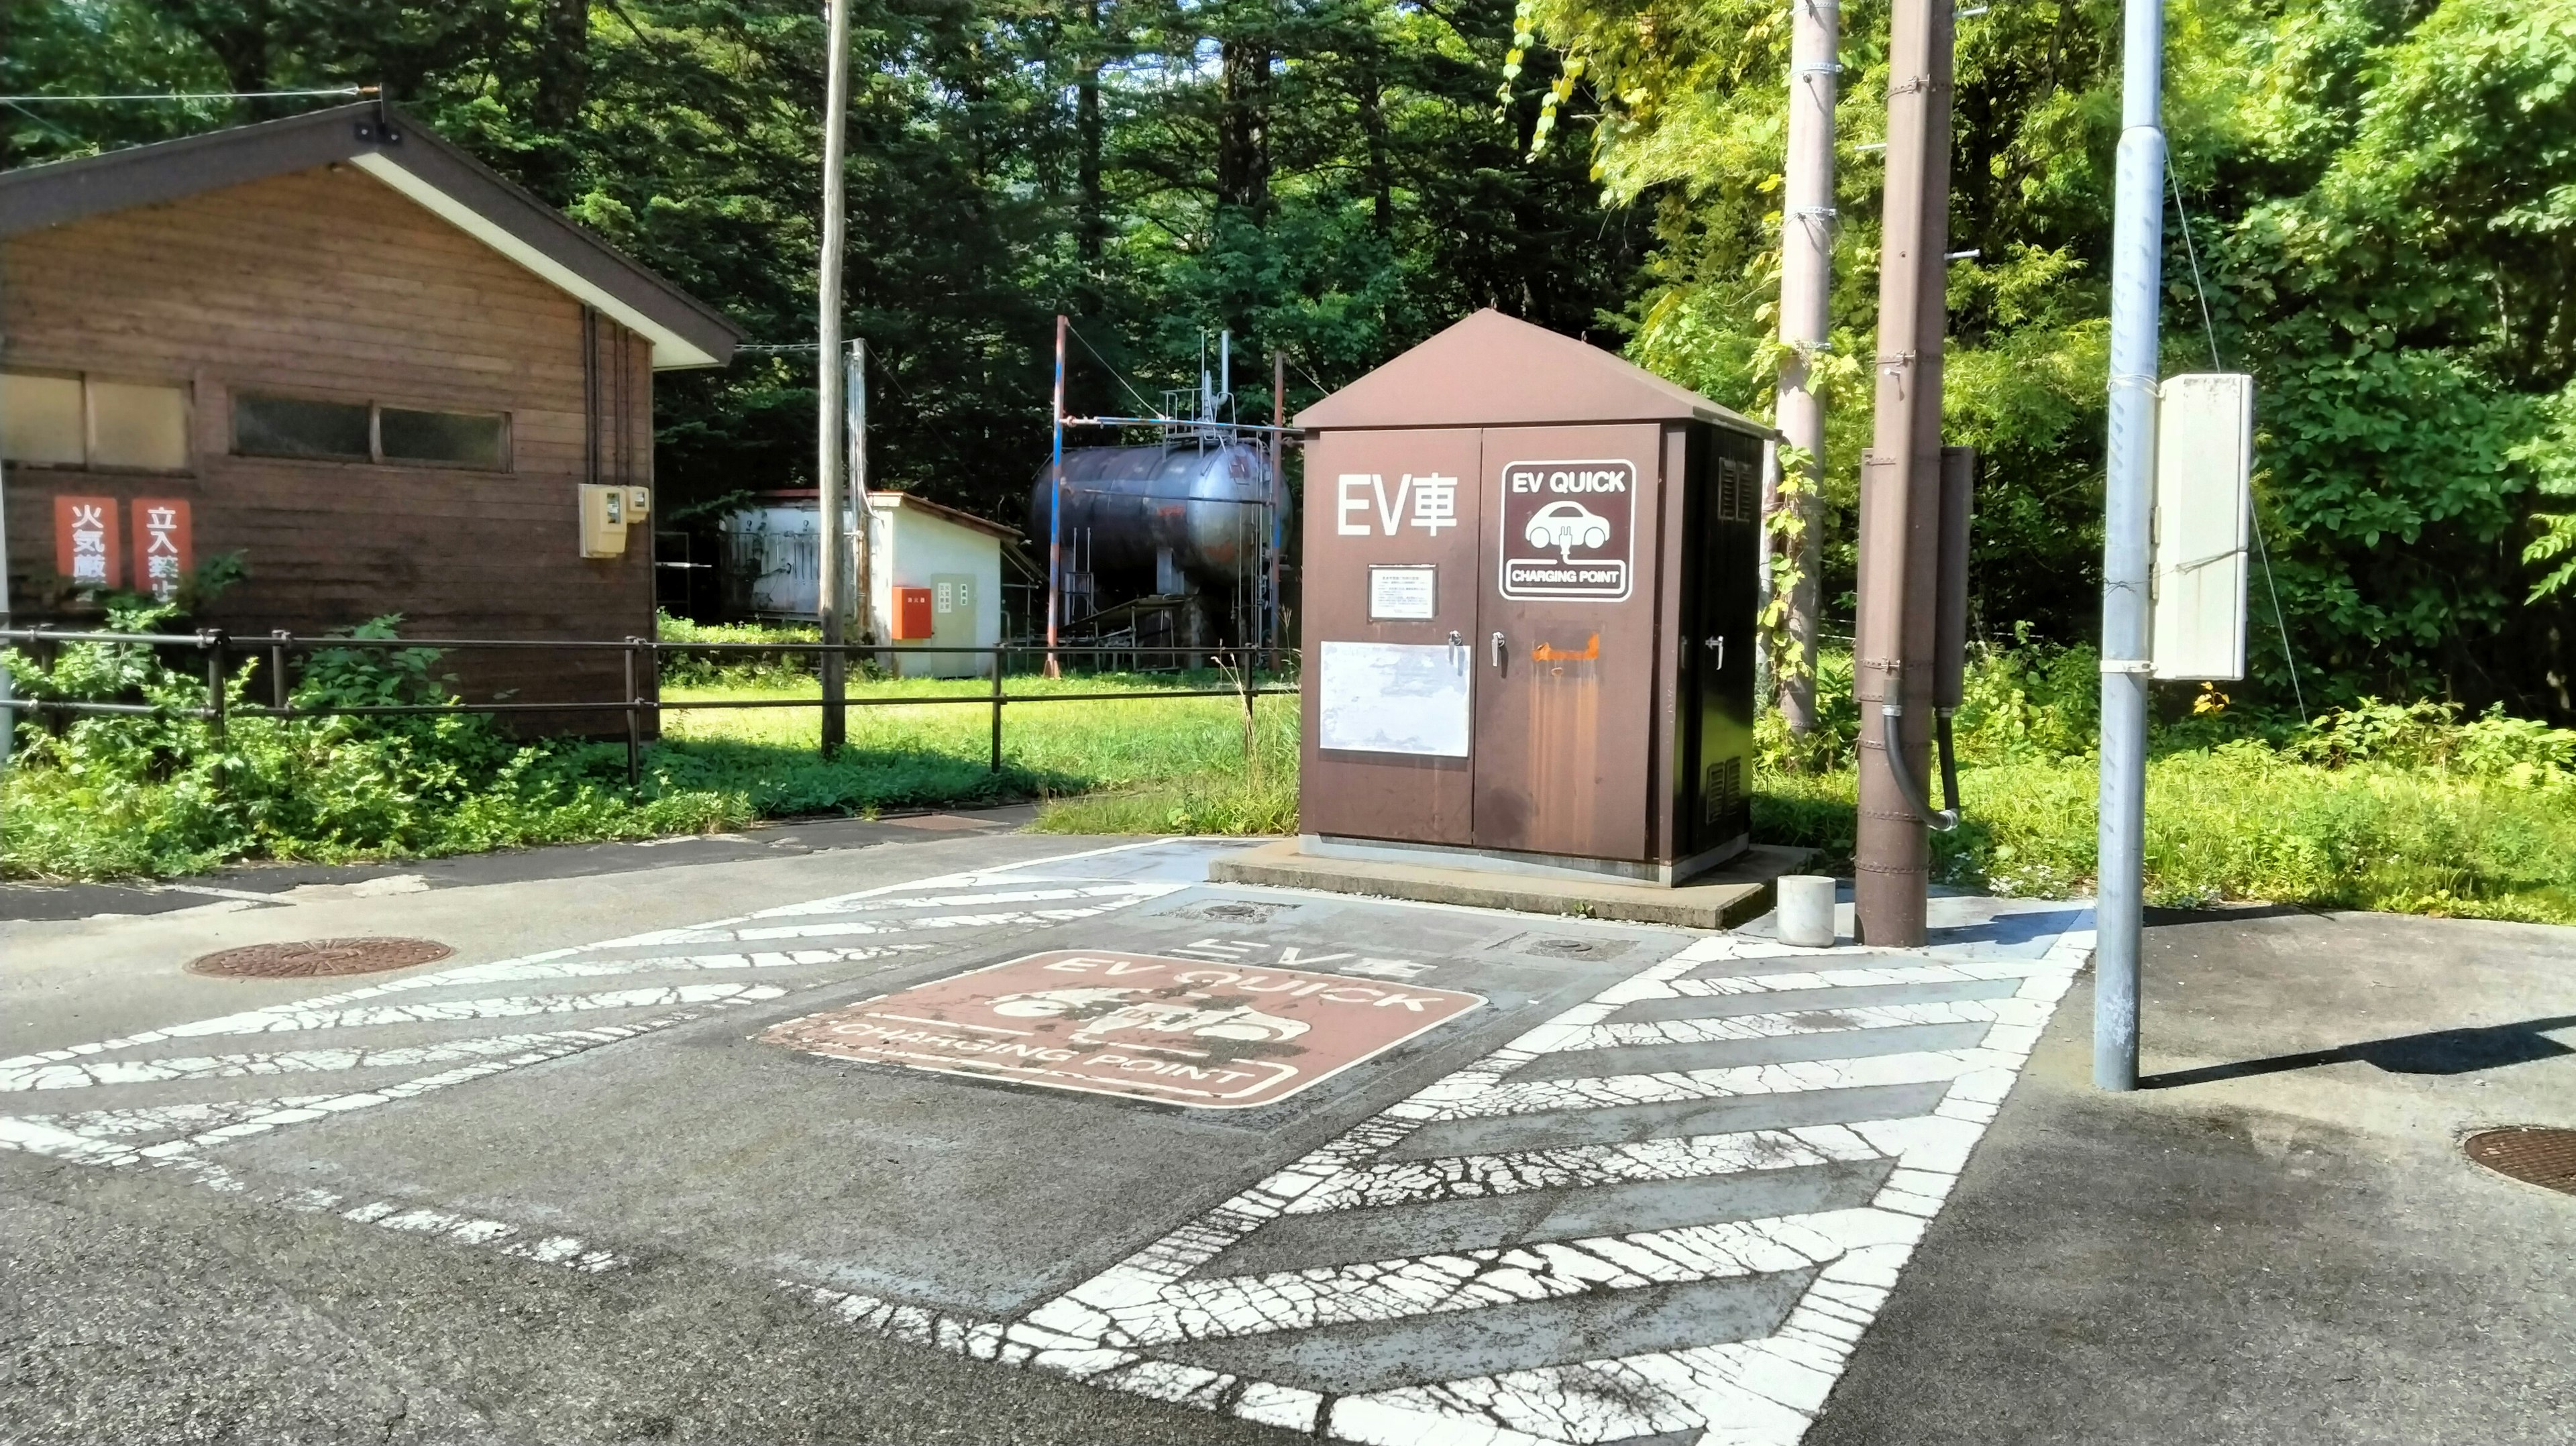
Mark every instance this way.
x=388 y=145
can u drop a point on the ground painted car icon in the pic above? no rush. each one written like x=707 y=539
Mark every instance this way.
x=1566 y=526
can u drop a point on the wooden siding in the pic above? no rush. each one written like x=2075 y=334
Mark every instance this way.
x=329 y=284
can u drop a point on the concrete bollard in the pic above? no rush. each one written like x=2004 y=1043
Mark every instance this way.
x=1806 y=911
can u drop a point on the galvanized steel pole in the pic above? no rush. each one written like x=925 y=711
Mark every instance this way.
x=1806 y=317
x=1900 y=490
x=1055 y=505
x=863 y=589
x=2137 y=283
x=829 y=599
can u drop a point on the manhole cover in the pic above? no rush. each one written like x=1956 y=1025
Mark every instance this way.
x=309 y=958
x=2530 y=1153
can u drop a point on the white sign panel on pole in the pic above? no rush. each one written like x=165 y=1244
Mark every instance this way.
x=1393 y=698
x=2203 y=525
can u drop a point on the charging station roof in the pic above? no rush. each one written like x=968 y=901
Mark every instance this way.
x=1491 y=370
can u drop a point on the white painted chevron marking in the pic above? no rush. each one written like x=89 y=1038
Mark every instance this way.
x=302 y=1061
x=1468 y=1177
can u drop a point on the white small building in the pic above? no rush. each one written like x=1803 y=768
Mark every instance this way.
x=935 y=578
x=939 y=565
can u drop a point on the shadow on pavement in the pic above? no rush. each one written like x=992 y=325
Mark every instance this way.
x=2440 y=1051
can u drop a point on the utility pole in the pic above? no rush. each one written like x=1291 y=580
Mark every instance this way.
x=1055 y=506
x=1278 y=489
x=854 y=386
x=1900 y=489
x=1806 y=317
x=830 y=587
x=2137 y=285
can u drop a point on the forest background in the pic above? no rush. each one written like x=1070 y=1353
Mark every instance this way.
x=2379 y=196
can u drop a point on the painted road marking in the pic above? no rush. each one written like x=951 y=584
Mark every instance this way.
x=1178 y=1030
x=1729 y=1329
x=400 y=1039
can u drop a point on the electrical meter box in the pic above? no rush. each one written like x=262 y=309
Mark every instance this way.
x=603 y=520
x=1529 y=579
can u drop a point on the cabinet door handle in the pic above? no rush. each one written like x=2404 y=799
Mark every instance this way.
x=1499 y=645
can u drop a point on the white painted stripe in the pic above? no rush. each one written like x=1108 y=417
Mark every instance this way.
x=1531 y=1096
x=1467 y=1177
x=443 y=1010
x=1930 y=971
x=866 y=903
x=1228 y=1307
x=1789 y=1025
x=305 y=1061
x=895 y=926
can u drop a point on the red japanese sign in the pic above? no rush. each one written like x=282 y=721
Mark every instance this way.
x=163 y=547
x=85 y=550
x=1178 y=1030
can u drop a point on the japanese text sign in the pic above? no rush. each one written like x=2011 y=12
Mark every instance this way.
x=85 y=541
x=163 y=548
x=1364 y=506
x=1181 y=1031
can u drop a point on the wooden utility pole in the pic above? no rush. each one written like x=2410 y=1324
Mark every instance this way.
x=1806 y=320
x=1900 y=489
x=830 y=587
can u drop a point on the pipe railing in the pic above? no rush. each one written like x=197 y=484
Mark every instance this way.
x=641 y=657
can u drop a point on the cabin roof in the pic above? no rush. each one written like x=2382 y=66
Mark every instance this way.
x=1491 y=370
x=388 y=144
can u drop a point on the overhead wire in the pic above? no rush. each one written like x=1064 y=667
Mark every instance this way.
x=1150 y=409
x=192 y=95
x=2209 y=328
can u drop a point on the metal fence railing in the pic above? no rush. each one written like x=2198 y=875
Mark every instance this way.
x=642 y=659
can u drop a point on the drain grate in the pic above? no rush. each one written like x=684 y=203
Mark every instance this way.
x=312 y=958
x=2534 y=1154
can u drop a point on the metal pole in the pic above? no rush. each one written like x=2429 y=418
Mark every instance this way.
x=997 y=710
x=2137 y=282
x=218 y=726
x=1806 y=319
x=829 y=599
x=279 y=696
x=1278 y=489
x=1055 y=504
x=862 y=541
x=634 y=728
x=1900 y=497
x=8 y=716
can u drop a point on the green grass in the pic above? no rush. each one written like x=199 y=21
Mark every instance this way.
x=1151 y=765
x=2394 y=807
x=2238 y=822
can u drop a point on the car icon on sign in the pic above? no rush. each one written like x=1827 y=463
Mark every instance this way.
x=1566 y=526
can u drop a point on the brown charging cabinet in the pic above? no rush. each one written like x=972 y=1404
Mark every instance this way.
x=1529 y=583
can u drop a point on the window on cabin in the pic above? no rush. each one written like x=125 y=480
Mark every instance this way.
x=301 y=427
x=444 y=439
x=68 y=420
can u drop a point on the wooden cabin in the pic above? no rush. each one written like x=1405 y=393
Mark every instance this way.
x=339 y=349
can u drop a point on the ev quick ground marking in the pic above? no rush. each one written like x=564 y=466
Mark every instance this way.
x=1179 y=1030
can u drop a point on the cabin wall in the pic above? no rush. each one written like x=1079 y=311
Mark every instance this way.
x=330 y=285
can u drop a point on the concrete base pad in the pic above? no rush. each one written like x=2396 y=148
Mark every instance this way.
x=1734 y=894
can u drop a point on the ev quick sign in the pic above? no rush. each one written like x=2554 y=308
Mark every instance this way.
x=1567 y=530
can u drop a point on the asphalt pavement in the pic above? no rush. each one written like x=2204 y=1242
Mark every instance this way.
x=948 y=1133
